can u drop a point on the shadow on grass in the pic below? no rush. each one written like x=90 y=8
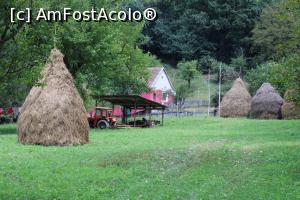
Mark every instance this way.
x=8 y=129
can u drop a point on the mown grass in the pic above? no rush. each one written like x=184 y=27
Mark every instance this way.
x=188 y=158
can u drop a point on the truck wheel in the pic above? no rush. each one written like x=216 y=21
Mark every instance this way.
x=102 y=125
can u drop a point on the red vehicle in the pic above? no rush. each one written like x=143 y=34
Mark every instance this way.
x=102 y=118
x=8 y=116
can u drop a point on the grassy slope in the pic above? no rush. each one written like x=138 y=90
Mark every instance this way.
x=199 y=84
x=189 y=158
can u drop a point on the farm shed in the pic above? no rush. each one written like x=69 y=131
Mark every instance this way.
x=135 y=103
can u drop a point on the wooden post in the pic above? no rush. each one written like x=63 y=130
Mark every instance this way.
x=208 y=82
x=134 y=112
x=220 y=77
x=124 y=115
x=162 y=117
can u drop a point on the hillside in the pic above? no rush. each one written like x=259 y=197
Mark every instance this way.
x=197 y=99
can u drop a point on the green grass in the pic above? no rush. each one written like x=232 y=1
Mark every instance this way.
x=199 y=84
x=188 y=158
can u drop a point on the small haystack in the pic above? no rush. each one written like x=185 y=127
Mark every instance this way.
x=289 y=109
x=266 y=104
x=236 y=102
x=53 y=112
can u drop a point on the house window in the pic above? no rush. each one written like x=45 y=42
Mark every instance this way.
x=165 y=96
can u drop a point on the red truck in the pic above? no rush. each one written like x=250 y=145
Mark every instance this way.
x=102 y=117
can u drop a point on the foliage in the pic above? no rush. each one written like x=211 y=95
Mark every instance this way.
x=228 y=72
x=195 y=28
x=183 y=91
x=285 y=76
x=277 y=35
x=259 y=75
x=188 y=70
x=239 y=64
x=103 y=57
x=215 y=96
x=205 y=63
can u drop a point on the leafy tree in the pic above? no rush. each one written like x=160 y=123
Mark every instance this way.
x=272 y=32
x=239 y=64
x=285 y=76
x=188 y=70
x=277 y=35
x=182 y=93
x=205 y=63
x=195 y=28
x=259 y=75
x=103 y=57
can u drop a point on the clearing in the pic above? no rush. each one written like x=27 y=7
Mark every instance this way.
x=188 y=158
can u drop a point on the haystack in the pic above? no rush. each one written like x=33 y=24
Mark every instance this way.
x=266 y=104
x=289 y=109
x=53 y=112
x=236 y=102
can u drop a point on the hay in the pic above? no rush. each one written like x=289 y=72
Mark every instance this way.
x=289 y=109
x=53 y=112
x=266 y=104
x=236 y=102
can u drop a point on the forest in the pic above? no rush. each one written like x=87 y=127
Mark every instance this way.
x=258 y=41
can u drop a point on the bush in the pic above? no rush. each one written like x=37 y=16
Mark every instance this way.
x=256 y=77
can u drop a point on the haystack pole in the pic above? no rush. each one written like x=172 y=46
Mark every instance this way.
x=53 y=112
x=237 y=101
x=266 y=104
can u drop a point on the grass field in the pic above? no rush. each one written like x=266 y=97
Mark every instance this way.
x=189 y=158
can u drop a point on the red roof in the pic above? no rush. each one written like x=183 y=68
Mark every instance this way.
x=154 y=73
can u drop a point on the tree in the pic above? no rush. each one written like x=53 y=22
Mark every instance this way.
x=259 y=75
x=104 y=58
x=182 y=92
x=188 y=70
x=278 y=32
x=205 y=63
x=272 y=32
x=285 y=76
x=239 y=64
x=195 y=28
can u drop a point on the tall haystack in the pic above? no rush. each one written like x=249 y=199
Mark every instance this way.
x=236 y=102
x=289 y=109
x=53 y=112
x=266 y=104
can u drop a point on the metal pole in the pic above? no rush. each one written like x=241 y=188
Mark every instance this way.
x=208 y=109
x=219 y=102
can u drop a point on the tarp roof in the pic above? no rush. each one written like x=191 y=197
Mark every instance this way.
x=132 y=101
